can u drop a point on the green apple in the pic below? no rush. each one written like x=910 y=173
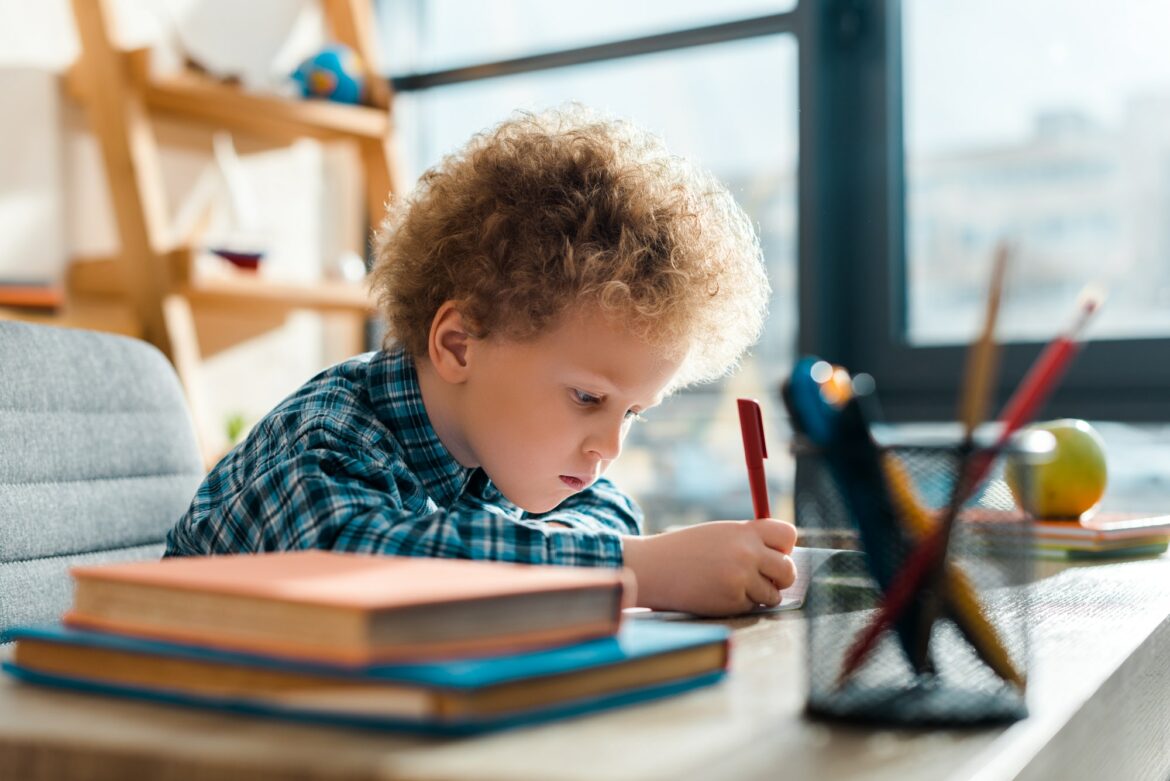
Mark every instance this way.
x=1069 y=484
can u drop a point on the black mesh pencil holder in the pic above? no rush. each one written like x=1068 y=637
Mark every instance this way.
x=966 y=666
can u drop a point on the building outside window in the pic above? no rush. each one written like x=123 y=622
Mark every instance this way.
x=1056 y=138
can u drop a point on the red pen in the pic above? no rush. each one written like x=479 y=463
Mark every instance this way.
x=751 y=425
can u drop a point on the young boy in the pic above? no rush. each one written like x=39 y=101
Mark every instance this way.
x=543 y=287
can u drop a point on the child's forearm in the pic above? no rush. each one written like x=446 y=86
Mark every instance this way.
x=653 y=586
x=668 y=577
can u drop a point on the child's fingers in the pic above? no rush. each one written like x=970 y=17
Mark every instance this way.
x=779 y=535
x=762 y=591
x=778 y=568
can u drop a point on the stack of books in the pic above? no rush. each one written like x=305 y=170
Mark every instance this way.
x=428 y=645
x=1104 y=535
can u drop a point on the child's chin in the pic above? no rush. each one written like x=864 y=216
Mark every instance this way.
x=538 y=505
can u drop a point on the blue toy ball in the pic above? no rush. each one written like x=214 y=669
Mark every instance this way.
x=335 y=73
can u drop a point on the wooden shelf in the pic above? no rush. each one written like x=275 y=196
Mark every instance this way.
x=190 y=95
x=255 y=293
x=92 y=278
x=98 y=277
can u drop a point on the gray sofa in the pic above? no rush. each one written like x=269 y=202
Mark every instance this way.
x=98 y=459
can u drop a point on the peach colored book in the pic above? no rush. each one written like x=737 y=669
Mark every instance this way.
x=350 y=608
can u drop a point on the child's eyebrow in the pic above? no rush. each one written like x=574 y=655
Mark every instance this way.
x=594 y=381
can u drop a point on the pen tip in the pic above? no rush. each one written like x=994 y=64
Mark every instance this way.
x=1089 y=301
x=1091 y=298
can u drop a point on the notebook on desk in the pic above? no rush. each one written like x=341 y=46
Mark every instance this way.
x=1106 y=534
x=1109 y=525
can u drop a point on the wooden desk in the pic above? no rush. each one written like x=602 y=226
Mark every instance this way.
x=1098 y=694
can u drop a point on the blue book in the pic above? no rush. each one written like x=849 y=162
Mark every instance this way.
x=645 y=660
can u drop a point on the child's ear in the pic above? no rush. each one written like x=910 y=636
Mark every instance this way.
x=449 y=342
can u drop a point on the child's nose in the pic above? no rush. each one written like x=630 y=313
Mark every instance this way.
x=606 y=441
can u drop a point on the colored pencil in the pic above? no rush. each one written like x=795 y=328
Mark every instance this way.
x=1033 y=390
x=975 y=394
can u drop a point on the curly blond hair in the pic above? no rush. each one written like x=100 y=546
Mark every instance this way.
x=547 y=211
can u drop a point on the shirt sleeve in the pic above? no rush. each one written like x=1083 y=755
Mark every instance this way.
x=322 y=497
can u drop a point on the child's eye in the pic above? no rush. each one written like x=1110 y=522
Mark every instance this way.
x=585 y=399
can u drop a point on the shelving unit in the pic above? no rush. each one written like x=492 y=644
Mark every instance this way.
x=151 y=288
x=193 y=96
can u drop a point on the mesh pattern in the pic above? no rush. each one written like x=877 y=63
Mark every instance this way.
x=989 y=558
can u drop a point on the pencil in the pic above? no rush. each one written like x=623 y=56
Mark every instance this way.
x=1048 y=367
x=955 y=589
x=978 y=379
x=1033 y=390
x=836 y=424
x=980 y=372
x=855 y=464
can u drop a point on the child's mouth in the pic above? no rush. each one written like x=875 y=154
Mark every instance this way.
x=575 y=483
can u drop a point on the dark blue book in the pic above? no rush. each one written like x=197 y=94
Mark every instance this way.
x=645 y=660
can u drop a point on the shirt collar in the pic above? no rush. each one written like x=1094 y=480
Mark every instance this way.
x=398 y=403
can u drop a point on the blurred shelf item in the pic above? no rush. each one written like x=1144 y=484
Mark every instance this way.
x=45 y=297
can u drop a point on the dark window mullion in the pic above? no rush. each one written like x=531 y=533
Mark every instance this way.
x=737 y=30
x=844 y=180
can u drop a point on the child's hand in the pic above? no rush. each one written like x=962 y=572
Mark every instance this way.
x=715 y=569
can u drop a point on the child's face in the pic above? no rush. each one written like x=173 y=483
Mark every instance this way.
x=545 y=418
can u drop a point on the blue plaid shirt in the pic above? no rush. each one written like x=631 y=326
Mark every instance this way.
x=350 y=462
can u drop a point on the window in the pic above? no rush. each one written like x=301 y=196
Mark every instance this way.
x=719 y=84
x=1054 y=137
x=920 y=146
x=1071 y=163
